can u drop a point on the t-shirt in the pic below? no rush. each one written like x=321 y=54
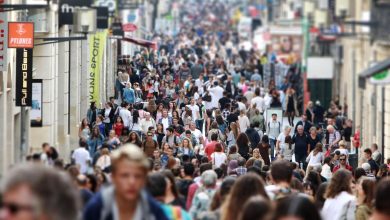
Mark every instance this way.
x=243 y=122
x=210 y=148
x=301 y=143
x=195 y=111
x=81 y=156
x=218 y=158
x=259 y=101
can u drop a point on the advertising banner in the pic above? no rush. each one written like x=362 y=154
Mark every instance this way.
x=20 y=35
x=23 y=78
x=97 y=43
x=67 y=7
x=36 y=103
x=3 y=41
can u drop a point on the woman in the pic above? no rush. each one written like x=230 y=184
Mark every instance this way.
x=187 y=117
x=309 y=111
x=240 y=193
x=172 y=196
x=113 y=140
x=340 y=203
x=233 y=155
x=215 y=130
x=257 y=208
x=104 y=160
x=100 y=125
x=185 y=148
x=365 y=198
x=135 y=123
x=84 y=130
x=108 y=114
x=264 y=148
x=316 y=157
x=313 y=138
x=160 y=134
x=176 y=115
x=287 y=148
x=128 y=94
x=218 y=157
x=149 y=145
x=92 y=114
x=134 y=139
x=118 y=126
x=243 y=121
x=158 y=112
x=296 y=207
x=221 y=124
x=171 y=108
x=243 y=145
x=95 y=141
x=233 y=134
x=255 y=157
x=209 y=120
x=291 y=105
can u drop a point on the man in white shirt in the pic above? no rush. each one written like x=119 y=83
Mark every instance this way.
x=81 y=156
x=216 y=93
x=166 y=121
x=125 y=114
x=258 y=100
x=195 y=110
x=196 y=132
x=241 y=105
x=147 y=122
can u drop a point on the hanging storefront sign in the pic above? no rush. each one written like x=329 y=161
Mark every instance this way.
x=97 y=44
x=67 y=7
x=20 y=35
x=3 y=41
x=110 y=4
x=101 y=17
x=36 y=103
x=117 y=29
x=129 y=27
x=381 y=78
x=23 y=77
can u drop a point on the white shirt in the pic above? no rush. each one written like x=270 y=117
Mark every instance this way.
x=165 y=123
x=342 y=206
x=216 y=94
x=259 y=101
x=125 y=115
x=218 y=158
x=195 y=111
x=244 y=123
x=315 y=160
x=197 y=133
x=81 y=156
x=145 y=124
x=107 y=115
x=103 y=162
x=241 y=106
x=281 y=138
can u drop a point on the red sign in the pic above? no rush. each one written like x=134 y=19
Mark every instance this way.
x=20 y=35
x=129 y=27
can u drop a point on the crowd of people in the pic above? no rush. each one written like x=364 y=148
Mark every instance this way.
x=187 y=136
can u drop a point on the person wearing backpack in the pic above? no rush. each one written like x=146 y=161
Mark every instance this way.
x=273 y=131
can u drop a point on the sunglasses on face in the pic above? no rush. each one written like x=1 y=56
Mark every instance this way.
x=14 y=208
x=342 y=159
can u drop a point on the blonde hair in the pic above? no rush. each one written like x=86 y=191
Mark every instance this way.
x=131 y=153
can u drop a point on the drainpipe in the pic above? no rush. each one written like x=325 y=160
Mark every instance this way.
x=383 y=124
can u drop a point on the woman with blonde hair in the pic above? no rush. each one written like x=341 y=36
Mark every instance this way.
x=104 y=160
x=185 y=148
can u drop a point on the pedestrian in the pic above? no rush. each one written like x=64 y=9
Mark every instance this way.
x=81 y=156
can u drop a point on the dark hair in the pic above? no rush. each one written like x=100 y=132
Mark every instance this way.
x=265 y=139
x=359 y=172
x=219 y=120
x=219 y=172
x=257 y=207
x=189 y=169
x=240 y=193
x=382 y=199
x=214 y=136
x=288 y=140
x=296 y=206
x=93 y=181
x=368 y=187
x=319 y=198
x=327 y=160
x=156 y=184
x=171 y=177
x=242 y=141
x=205 y=166
x=281 y=171
x=340 y=182
x=218 y=147
x=368 y=151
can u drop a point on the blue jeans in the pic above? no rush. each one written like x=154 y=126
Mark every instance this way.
x=272 y=143
x=199 y=124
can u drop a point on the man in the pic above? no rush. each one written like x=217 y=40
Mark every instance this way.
x=184 y=183
x=36 y=192
x=342 y=164
x=382 y=201
x=332 y=138
x=305 y=123
x=273 y=131
x=125 y=114
x=376 y=155
x=282 y=136
x=178 y=129
x=202 y=111
x=171 y=139
x=258 y=100
x=197 y=184
x=194 y=109
x=85 y=192
x=196 y=132
x=216 y=93
x=241 y=105
x=281 y=175
x=318 y=113
x=241 y=169
x=188 y=134
x=302 y=146
x=81 y=156
x=197 y=69
x=149 y=145
x=126 y=198
x=165 y=120
x=256 y=77
x=147 y=122
x=45 y=152
x=210 y=147
x=114 y=105
x=224 y=100
x=368 y=157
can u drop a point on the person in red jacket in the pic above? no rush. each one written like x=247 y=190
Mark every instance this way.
x=343 y=164
x=210 y=147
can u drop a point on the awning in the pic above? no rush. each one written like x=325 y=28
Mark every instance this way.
x=141 y=42
x=377 y=74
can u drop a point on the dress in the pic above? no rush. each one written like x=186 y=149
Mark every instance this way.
x=290 y=104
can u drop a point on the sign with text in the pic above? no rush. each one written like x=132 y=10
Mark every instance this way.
x=128 y=4
x=36 y=103
x=67 y=7
x=102 y=17
x=97 y=44
x=20 y=35
x=3 y=41
x=23 y=93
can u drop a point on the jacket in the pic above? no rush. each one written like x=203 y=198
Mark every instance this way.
x=100 y=207
x=129 y=95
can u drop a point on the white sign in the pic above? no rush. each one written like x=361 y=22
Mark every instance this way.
x=320 y=68
x=36 y=104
